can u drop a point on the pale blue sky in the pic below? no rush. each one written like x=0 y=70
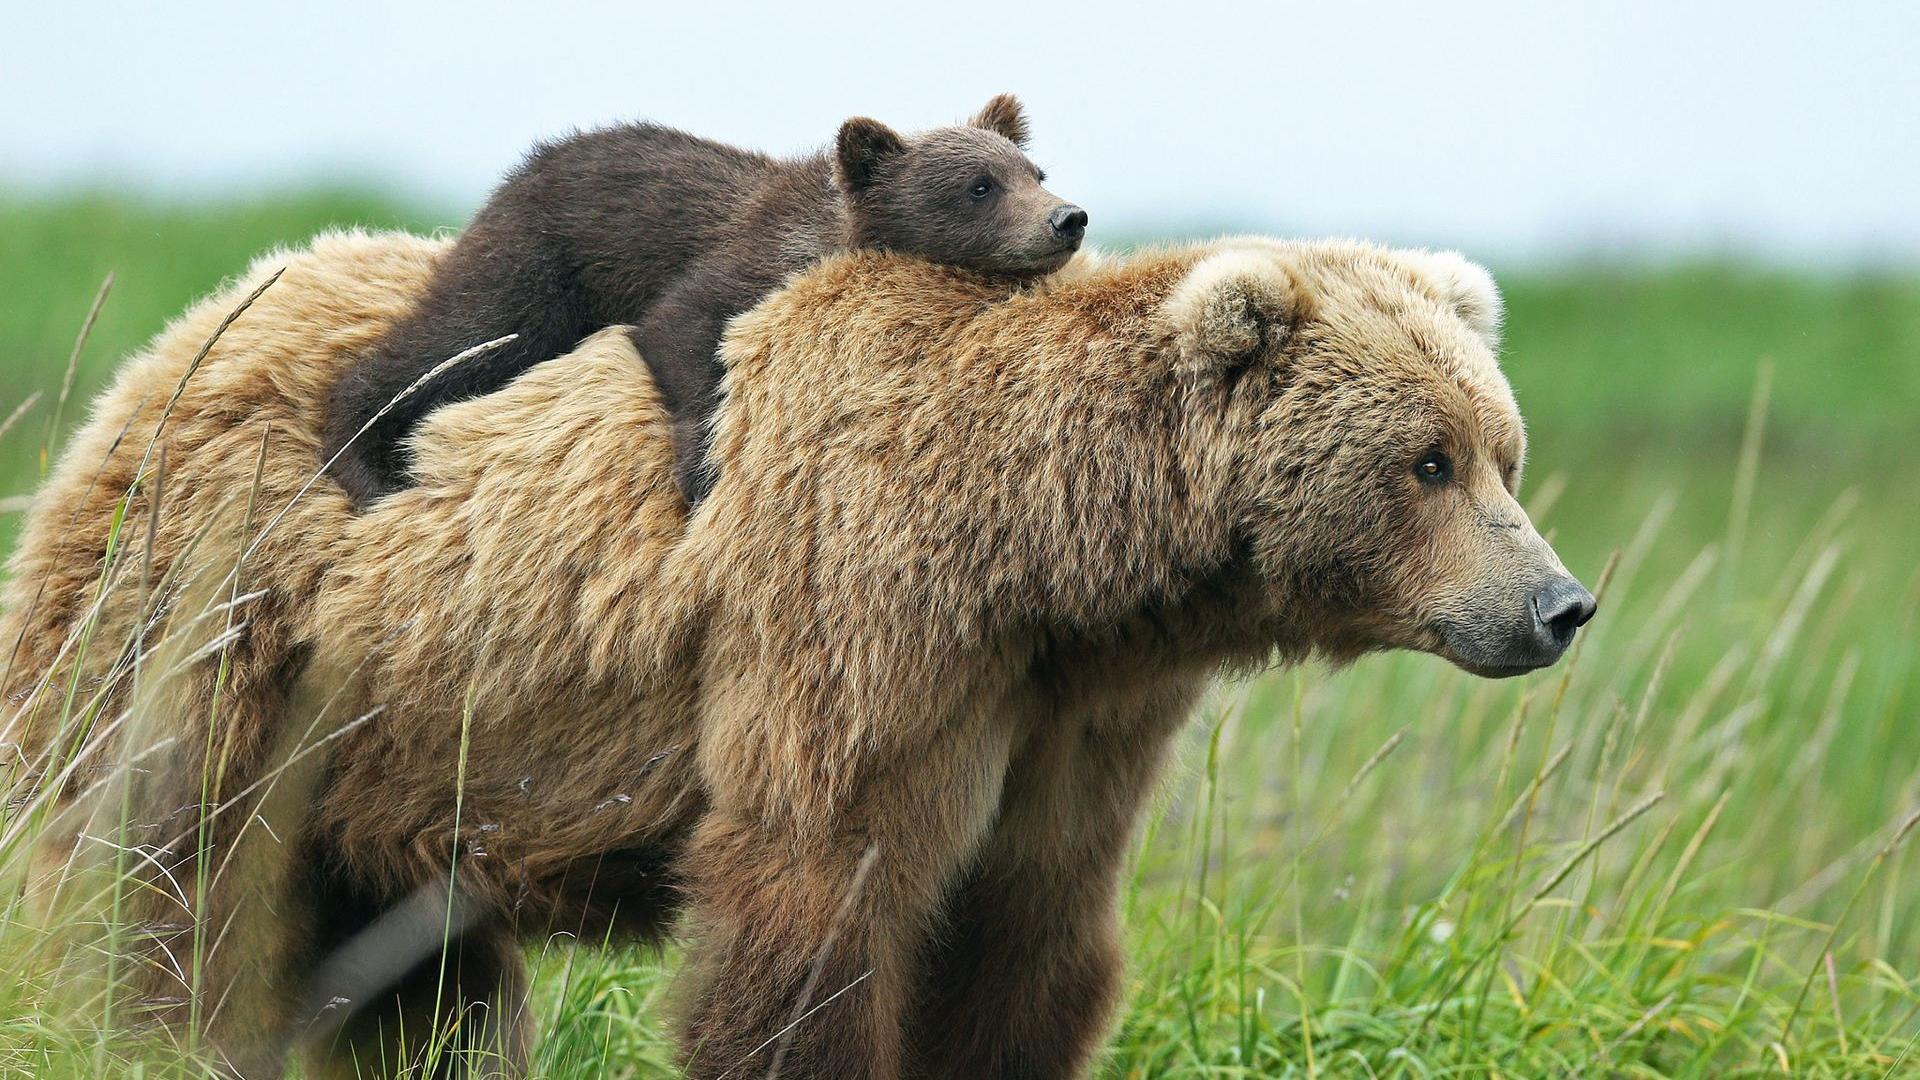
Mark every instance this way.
x=1508 y=128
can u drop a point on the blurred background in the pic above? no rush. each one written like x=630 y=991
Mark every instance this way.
x=1706 y=218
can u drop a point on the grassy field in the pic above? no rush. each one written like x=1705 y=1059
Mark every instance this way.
x=1680 y=854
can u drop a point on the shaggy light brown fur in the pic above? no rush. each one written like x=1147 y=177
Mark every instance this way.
x=882 y=713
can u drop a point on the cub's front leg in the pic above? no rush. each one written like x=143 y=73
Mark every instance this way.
x=679 y=338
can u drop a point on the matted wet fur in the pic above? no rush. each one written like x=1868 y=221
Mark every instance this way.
x=675 y=234
x=882 y=714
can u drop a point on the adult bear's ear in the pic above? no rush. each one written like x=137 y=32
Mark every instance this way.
x=1231 y=306
x=1004 y=115
x=1463 y=285
x=862 y=151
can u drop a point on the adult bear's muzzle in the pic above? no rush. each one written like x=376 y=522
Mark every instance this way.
x=1525 y=628
x=1516 y=608
x=1560 y=607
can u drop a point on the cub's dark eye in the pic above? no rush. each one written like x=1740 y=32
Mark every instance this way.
x=1434 y=468
x=982 y=188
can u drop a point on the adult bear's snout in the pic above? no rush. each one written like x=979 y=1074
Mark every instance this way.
x=1560 y=607
x=1527 y=632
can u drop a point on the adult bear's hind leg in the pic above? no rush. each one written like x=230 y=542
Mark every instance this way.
x=378 y=1007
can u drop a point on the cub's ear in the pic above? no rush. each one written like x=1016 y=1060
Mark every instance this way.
x=1464 y=285
x=862 y=150
x=1230 y=306
x=1004 y=115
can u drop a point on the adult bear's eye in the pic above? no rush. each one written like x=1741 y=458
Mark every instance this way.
x=1434 y=468
x=981 y=188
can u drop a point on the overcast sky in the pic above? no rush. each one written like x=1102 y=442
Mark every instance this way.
x=1506 y=127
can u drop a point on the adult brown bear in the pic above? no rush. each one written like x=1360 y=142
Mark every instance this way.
x=882 y=713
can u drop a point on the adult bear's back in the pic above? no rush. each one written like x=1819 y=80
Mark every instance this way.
x=231 y=442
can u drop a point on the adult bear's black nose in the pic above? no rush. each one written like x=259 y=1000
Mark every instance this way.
x=1069 y=221
x=1560 y=608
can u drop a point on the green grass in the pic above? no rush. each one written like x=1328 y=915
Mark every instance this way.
x=1397 y=870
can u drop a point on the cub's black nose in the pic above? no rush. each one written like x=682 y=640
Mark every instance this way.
x=1069 y=221
x=1559 y=608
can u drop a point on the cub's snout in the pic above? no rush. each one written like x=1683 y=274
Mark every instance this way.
x=1068 y=222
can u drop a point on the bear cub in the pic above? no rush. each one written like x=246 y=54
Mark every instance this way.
x=673 y=234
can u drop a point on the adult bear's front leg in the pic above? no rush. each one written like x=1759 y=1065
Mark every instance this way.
x=813 y=926
x=1023 y=982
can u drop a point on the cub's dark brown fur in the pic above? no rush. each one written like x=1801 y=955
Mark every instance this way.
x=674 y=235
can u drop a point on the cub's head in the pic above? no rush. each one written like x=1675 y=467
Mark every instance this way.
x=965 y=195
x=1374 y=451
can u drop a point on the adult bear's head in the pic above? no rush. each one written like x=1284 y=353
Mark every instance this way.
x=1379 y=450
